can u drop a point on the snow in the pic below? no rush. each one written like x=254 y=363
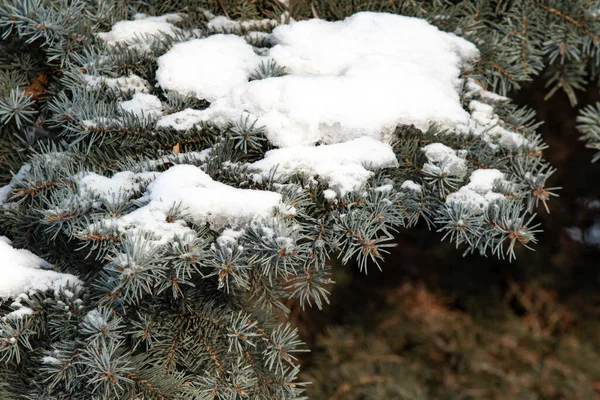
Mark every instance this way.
x=329 y=194
x=387 y=188
x=225 y=25
x=129 y=32
x=486 y=123
x=18 y=313
x=122 y=84
x=444 y=159
x=143 y=105
x=24 y=272
x=201 y=199
x=95 y=319
x=343 y=81
x=182 y=120
x=412 y=186
x=229 y=237
x=344 y=166
x=473 y=89
x=479 y=191
x=123 y=183
x=49 y=360
x=206 y=68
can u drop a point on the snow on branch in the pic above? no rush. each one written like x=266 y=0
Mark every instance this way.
x=24 y=272
x=359 y=77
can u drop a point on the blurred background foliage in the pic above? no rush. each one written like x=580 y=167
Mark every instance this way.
x=435 y=325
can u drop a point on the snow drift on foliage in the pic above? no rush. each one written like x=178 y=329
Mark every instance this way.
x=134 y=33
x=21 y=271
x=206 y=68
x=343 y=165
x=143 y=105
x=359 y=77
x=348 y=85
x=187 y=193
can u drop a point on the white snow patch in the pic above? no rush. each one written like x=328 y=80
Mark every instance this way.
x=206 y=68
x=18 y=313
x=94 y=318
x=479 y=191
x=122 y=84
x=411 y=185
x=225 y=25
x=143 y=105
x=344 y=166
x=387 y=188
x=24 y=272
x=329 y=194
x=359 y=77
x=120 y=184
x=486 y=123
x=182 y=120
x=444 y=159
x=49 y=360
x=201 y=199
x=473 y=89
x=134 y=33
x=230 y=236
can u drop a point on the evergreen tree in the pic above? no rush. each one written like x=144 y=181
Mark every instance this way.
x=177 y=235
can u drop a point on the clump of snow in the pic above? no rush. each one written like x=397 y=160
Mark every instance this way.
x=329 y=194
x=479 y=192
x=387 y=188
x=201 y=199
x=344 y=166
x=120 y=184
x=18 y=313
x=206 y=68
x=49 y=360
x=122 y=84
x=182 y=120
x=143 y=105
x=473 y=89
x=487 y=124
x=411 y=185
x=24 y=272
x=444 y=159
x=95 y=319
x=343 y=81
x=230 y=237
x=130 y=32
x=484 y=122
x=225 y=25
